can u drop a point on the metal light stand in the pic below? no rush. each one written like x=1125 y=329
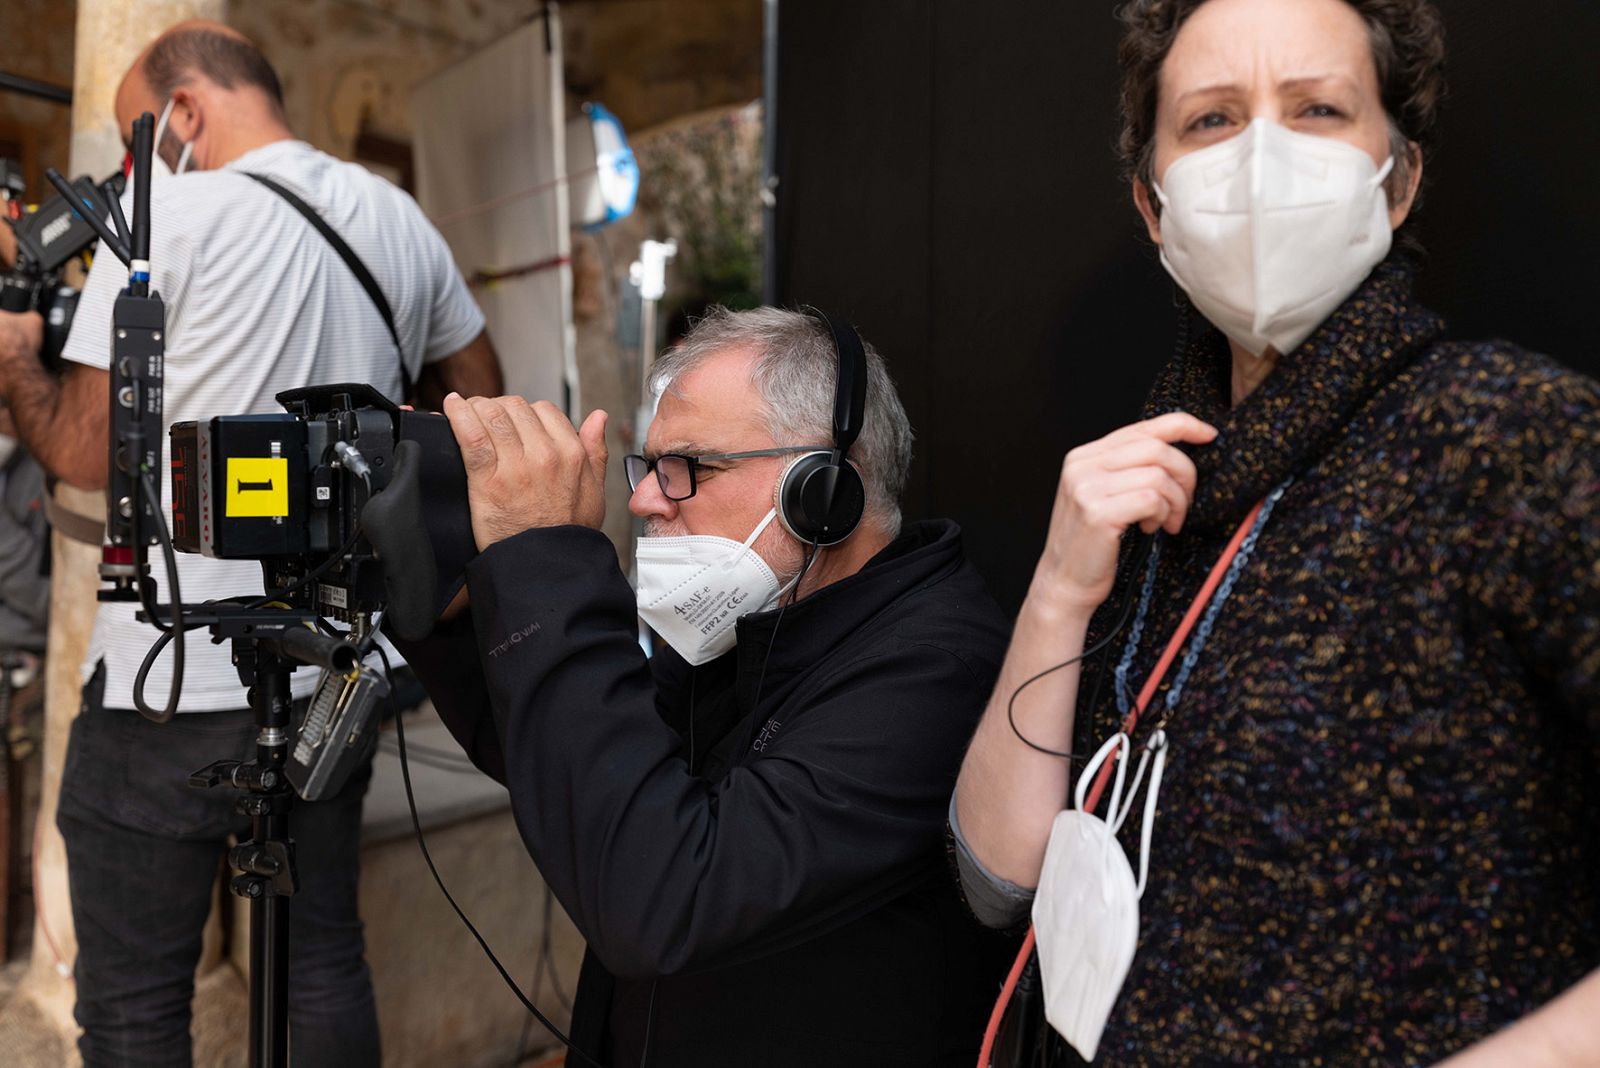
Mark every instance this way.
x=649 y=275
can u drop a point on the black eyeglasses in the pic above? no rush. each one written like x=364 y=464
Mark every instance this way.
x=675 y=472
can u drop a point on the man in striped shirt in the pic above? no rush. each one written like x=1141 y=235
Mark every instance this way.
x=257 y=302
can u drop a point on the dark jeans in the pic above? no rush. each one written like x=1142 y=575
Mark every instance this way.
x=143 y=851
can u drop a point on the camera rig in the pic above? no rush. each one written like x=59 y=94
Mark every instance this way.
x=329 y=497
x=48 y=240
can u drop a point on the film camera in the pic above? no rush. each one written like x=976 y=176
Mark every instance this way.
x=48 y=239
x=354 y=508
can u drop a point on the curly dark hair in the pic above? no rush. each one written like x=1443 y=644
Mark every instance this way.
x=1407 y=49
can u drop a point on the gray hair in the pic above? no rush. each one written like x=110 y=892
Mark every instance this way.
x=795 y=372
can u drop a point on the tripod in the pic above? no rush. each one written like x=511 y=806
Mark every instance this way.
x=267 y=646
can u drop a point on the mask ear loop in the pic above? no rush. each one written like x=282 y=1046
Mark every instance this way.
x=1157 y=745
x=772 y=513
x=161 y=128
x=1120 y=742
x=1087 y=776
x=1383 y=172
x=161 y=123
x=1133 y=792
x=1382 y=175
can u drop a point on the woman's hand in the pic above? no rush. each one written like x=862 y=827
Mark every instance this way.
x=1135 y=475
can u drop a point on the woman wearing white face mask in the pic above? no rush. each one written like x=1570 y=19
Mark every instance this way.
x=1349 y=724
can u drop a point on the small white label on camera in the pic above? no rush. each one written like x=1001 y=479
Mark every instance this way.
x=334 y=595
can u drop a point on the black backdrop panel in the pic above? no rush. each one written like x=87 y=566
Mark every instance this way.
x=947 y=179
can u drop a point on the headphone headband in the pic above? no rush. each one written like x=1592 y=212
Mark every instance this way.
x=850 y=390
x=821 y=496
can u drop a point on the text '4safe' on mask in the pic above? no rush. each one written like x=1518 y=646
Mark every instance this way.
x=694 y=589
x=1269 y=231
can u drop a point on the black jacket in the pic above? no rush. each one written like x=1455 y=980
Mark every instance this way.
x=785 y=901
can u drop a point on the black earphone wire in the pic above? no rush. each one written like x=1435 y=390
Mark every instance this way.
x=794 y=593
x=693 y=672
x=1130 y=596
x=649 y=1024
x=837 y=459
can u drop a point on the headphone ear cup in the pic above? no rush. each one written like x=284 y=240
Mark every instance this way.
x=809 y=484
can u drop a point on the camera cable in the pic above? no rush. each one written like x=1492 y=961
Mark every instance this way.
x=312 y=575
x=416 y=824
x=545 y=965
x=172 y=632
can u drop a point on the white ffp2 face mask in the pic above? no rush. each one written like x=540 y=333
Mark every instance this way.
x=694 y=589
x=1268 y=232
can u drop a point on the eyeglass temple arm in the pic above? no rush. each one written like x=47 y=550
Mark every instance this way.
x=765 y=452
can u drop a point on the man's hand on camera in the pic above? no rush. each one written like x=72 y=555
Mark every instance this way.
x=21 y=337
x=526 y=465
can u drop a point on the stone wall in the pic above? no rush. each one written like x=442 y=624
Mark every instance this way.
x=651 y=61
x=350 y=64
x=348 y=67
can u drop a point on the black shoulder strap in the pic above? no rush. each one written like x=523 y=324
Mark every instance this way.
x=357 y=268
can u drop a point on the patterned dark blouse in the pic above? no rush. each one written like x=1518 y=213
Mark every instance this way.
x=1379 y=834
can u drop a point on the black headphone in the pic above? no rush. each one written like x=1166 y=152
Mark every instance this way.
x=821 y=497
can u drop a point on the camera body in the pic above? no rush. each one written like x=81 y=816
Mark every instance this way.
x=371 y=498
x=47 y=240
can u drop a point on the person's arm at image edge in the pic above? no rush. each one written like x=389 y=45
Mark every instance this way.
x=1546 y=595
x=62 y=423
x=1565 y=1033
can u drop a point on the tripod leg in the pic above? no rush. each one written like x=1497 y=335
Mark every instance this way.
x=269 y=981
x=267 y=878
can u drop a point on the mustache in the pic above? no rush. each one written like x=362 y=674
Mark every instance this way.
x=659 y=528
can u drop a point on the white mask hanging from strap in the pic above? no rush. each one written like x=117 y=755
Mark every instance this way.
x=1086 y=911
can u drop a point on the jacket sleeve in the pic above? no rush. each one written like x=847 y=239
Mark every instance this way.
x=664 y=872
